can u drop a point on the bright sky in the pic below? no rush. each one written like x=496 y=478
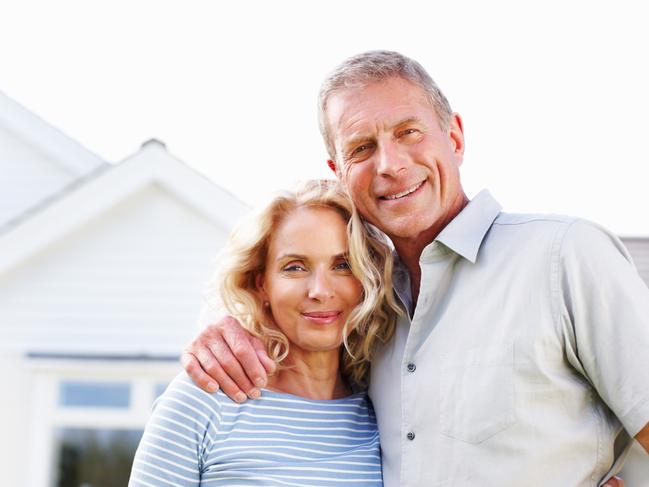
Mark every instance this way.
x=554 y=95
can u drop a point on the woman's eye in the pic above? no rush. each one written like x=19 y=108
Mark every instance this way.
x=293 y=268
x=344 y=266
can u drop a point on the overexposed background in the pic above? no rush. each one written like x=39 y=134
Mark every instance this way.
x=553 y=94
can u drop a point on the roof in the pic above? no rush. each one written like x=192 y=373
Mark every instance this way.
x=36 y=162
x=32 y=129
x=117 y=264
x=86 y=198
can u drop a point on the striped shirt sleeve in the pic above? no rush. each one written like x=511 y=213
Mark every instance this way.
x=179 y=433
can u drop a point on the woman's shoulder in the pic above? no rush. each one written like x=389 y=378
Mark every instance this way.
x=354 y=403
x=183 y=397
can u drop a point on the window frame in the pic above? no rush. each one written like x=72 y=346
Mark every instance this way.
x=47 y=414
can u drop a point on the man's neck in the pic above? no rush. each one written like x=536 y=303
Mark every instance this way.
x=410 y=249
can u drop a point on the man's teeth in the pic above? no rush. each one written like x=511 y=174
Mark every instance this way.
x=403 y=193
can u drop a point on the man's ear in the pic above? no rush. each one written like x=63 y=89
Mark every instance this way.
x=456 y=134
x=332 y=166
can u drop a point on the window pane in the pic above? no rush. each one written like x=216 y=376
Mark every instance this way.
x=95 y=394
x=94 y=458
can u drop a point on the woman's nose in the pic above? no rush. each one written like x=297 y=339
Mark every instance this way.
x=320 y=287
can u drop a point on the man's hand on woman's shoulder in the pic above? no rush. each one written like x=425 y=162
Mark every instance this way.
x=226 y=356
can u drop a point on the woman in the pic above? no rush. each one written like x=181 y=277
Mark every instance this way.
x=308 y=278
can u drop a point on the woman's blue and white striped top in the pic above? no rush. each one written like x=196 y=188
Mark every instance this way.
x=195 y=438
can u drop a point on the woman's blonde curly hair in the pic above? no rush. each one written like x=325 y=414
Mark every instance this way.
x=244 y=258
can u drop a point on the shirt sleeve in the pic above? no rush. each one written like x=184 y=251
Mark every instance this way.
x=178 y=435
x=604 y=306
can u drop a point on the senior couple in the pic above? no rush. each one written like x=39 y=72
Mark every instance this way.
x=505 y=349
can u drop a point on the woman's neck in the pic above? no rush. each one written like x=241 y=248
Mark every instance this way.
x=313 y=375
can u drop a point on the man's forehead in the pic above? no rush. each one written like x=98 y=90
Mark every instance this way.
x=392 y=91
x=353 y=111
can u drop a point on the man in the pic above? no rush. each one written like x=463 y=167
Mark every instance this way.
x=521 y=359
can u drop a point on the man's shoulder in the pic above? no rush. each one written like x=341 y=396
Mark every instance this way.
x=569 y=236
x=539 y=220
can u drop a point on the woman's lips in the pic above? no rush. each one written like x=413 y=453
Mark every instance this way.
x=322 y=317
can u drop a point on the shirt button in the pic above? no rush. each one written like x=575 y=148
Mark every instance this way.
x=411 y=367
x=410 y=435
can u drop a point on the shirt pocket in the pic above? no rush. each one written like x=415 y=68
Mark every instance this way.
x=477 y=393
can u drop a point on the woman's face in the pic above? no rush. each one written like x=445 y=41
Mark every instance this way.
x=308 y=282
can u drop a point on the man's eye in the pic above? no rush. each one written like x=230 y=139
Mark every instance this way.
x=361 y=150
x=409 y=132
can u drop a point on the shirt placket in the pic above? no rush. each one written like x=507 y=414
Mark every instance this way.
x=431 y=265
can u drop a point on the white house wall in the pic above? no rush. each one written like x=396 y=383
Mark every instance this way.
x=639 y=249
x=126 y=282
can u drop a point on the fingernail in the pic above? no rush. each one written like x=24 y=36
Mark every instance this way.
x=240 y=397
x=212 y=386
x=254 y=393
x=260 y=382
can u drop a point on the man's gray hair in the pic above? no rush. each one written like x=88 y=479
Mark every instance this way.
x=373 y=66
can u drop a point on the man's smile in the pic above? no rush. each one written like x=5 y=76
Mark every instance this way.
x=401 y=194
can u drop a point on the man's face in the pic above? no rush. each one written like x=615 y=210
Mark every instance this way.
x=399 y=166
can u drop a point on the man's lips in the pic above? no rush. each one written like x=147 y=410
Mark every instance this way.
x=322 y=317
x=402 y=194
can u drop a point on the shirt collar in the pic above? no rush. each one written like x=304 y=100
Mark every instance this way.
x=465 y=233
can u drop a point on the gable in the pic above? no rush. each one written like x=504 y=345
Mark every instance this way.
x=130 y=280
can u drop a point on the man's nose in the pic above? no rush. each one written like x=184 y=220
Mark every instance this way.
x=391 y=160
x=321 y=287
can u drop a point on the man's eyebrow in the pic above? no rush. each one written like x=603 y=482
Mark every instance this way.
x=355 y=140
x=407 y=121
x=359 y=138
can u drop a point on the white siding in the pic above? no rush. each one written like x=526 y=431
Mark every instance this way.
x=15 y=409
x=636 y=470
x=129 y=281
x=639 y=249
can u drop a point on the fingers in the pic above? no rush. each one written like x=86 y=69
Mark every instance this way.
x=229 y=374
x=196 y=373
x=614 y=482
x=260 y=349
x=247 y=369
x=225 y=355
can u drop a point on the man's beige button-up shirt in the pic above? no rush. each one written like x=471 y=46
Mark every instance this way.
x=525 y=360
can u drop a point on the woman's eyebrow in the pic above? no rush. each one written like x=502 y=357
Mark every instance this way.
x=291 y=256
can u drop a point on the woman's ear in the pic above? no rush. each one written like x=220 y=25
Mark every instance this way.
x=259 y=283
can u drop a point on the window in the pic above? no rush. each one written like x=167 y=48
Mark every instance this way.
x=94 y=394
x=88 y=417
x=94 y=457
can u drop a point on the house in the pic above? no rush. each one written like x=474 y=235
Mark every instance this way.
x=102 y=274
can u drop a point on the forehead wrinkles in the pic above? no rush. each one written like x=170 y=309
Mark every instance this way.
x=354 y=114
